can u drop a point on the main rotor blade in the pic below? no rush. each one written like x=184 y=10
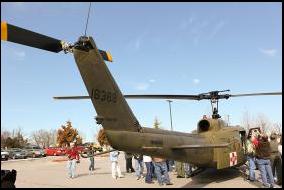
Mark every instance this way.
x=183 y=97
x=22 y=36
x=257 y=94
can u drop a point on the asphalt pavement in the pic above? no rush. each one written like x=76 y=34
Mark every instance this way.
x=52 y=172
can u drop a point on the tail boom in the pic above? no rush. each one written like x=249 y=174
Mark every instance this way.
x=111 y=107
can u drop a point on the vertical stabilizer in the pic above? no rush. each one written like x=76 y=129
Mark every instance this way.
x=111 y=107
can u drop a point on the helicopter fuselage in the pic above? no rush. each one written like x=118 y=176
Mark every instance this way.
x=185 y=147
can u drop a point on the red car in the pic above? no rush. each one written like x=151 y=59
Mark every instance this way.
x=54 y=151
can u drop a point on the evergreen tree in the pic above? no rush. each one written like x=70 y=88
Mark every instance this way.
x=157 y=124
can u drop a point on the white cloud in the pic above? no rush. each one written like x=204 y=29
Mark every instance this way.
x=196 y=81
x=217 y=28
x=141 y=86
x=198 y=27
x=152 y=80
x=268 y=52
x=198 y=30
x=186 y=23
x=134 y=44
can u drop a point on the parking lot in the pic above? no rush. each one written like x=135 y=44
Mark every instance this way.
x=51 y=172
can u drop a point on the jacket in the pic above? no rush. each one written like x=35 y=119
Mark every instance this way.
x=263 y=150
x=250 y=148
x=73 y=154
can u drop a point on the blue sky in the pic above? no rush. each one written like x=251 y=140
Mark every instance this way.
x=170 y=48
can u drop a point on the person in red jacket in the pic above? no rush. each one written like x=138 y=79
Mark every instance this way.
x=73 y=159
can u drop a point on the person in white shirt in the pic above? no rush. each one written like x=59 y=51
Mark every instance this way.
x=149 y=166
x=115 y=169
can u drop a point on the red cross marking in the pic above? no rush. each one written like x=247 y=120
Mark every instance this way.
x=233 y=158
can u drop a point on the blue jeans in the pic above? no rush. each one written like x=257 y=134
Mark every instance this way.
x=161 y=172
x=71 y=166
x=92 y=164
x=251 y=161
x=138 y=167
x=265 y=171
x=149 y=175
x=170 y=164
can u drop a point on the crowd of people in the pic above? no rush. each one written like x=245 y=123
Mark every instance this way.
x=264 y=153
x=156 y=168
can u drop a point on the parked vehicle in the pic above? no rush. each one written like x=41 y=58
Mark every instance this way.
x=54 y=151
x=4 y=154
x=16 y=153
x=35 y=151
x=98 y=148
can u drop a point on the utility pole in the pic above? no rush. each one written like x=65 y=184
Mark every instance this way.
x=170 y=113
x=228 y=120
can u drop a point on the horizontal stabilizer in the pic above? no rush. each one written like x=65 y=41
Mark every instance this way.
x=71 y=97
x=224 y=145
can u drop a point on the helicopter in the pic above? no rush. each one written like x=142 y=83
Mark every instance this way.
x=214 y=145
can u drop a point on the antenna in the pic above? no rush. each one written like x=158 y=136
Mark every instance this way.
x=88 y=18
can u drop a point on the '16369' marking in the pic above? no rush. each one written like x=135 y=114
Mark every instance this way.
x=104 y=95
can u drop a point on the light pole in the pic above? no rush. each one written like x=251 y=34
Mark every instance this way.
x=170 y=113
x=228 y=120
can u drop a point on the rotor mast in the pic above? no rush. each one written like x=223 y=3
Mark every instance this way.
x=214 y=100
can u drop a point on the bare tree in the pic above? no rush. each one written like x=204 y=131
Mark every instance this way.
x=4 y=136
x=14 y=139
x=247 y=121
x=53 y=135
x=263 y=122
x=277 y=128
x=44 y=138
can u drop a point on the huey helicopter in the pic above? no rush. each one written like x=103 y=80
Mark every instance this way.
x=214 y=145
